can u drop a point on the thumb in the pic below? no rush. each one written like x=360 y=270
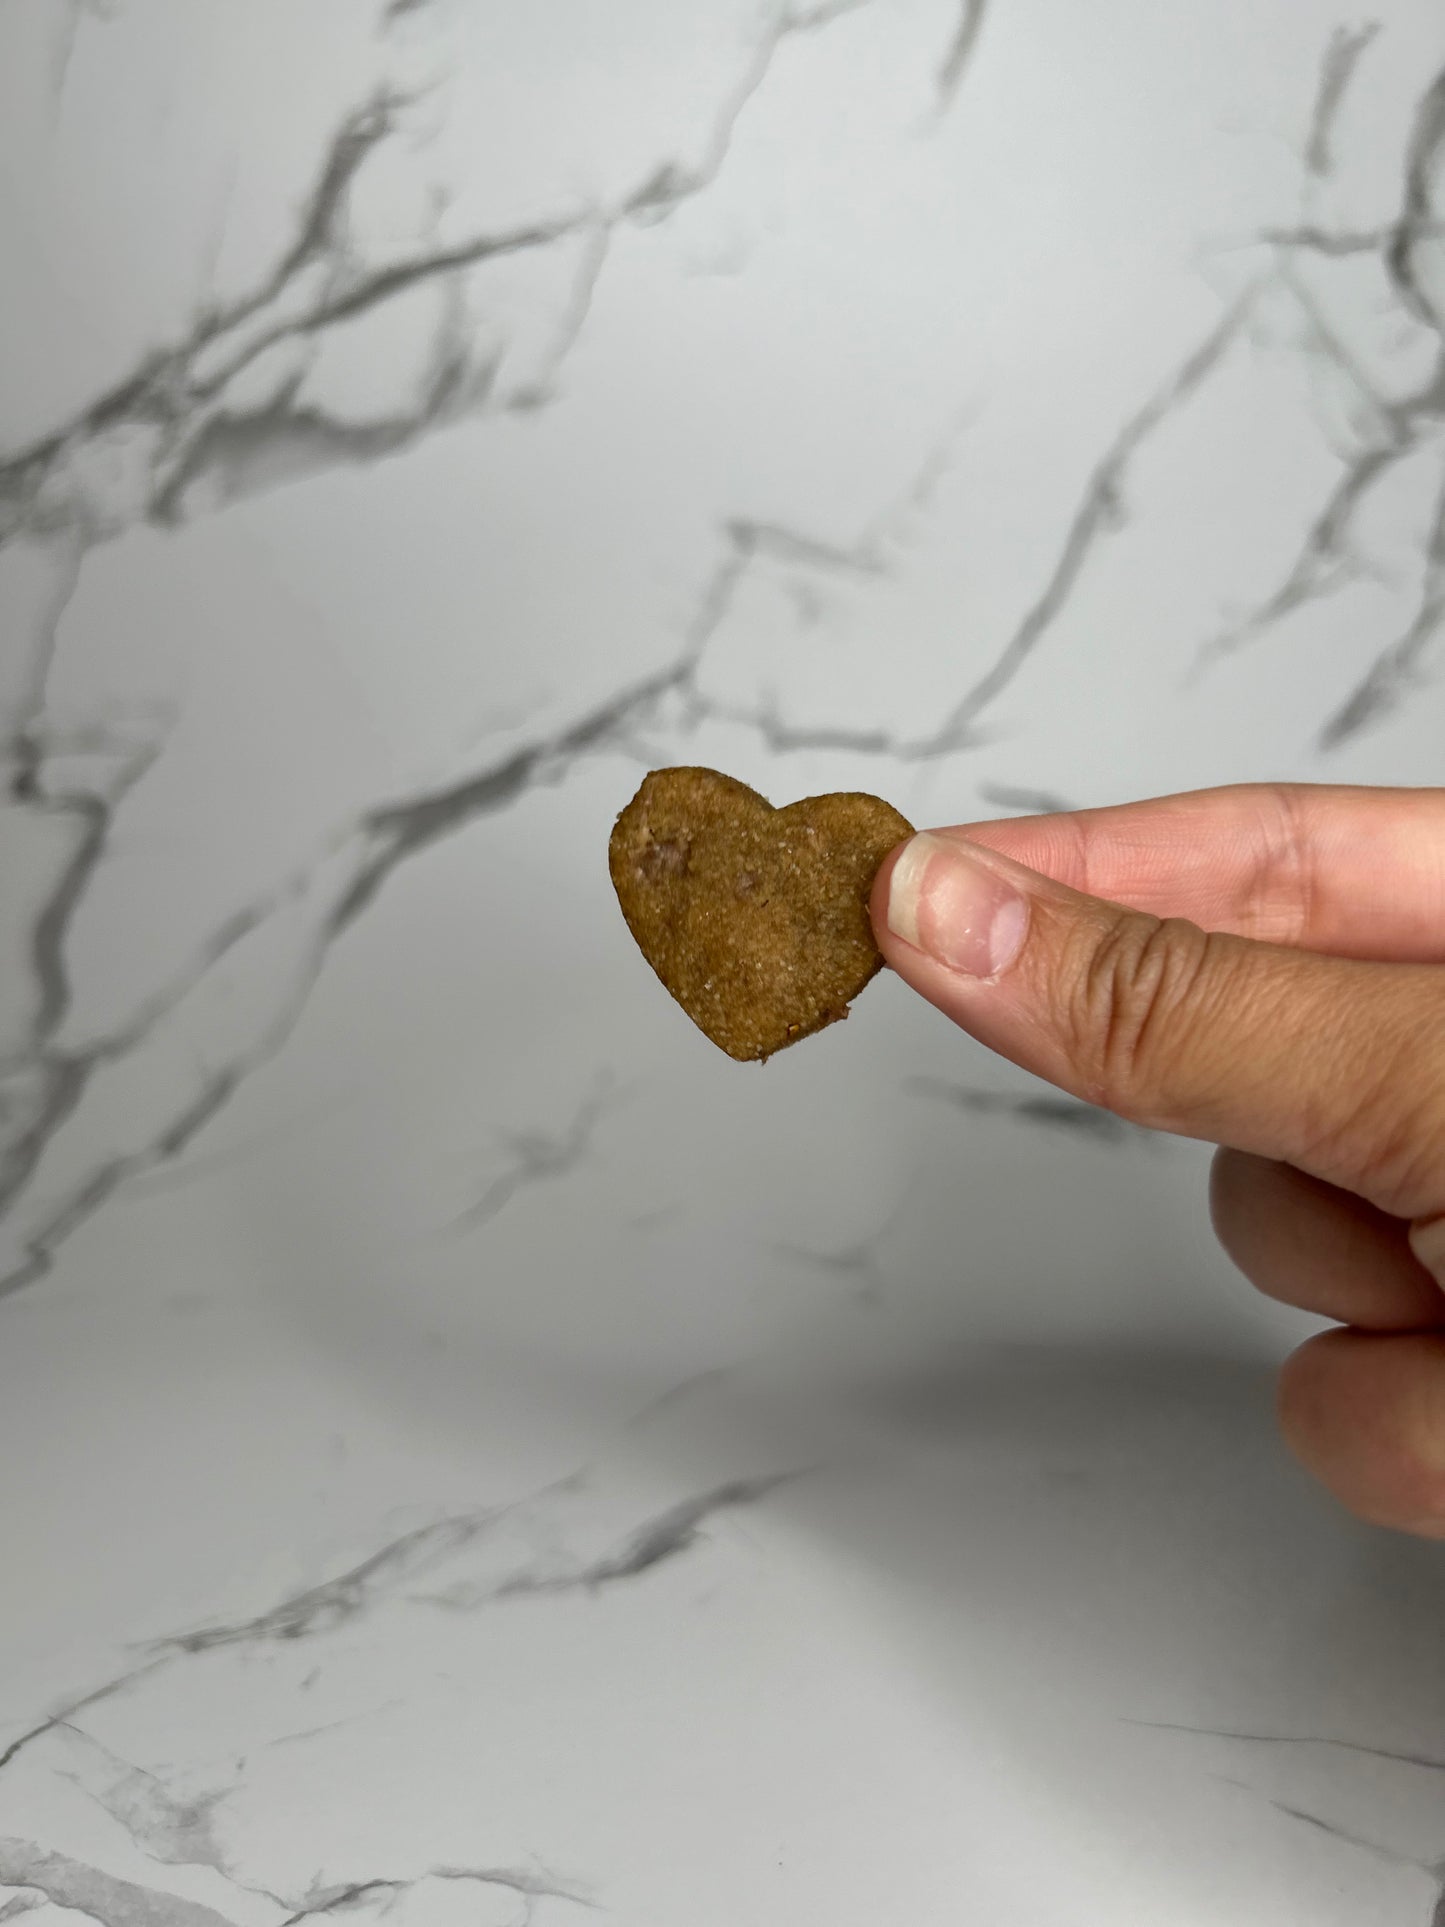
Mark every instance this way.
x=1330 y=1064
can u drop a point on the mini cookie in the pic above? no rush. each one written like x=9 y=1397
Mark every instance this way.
x=755 y=919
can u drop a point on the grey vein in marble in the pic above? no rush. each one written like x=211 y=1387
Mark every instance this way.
x=857 y=1263
x=1397 y=669
x=1395 y=1756
x=323 y=1608
x=183 y=1832
x=106 y=1899
x=1049 y=1109
x=674 y=1532
x=1339 y=243
x=540 y=1157
x=391 y=1572
x=527 y=1886
x=1324 y=562
x=316 y=1609
x=1101 y=511
x=113 y=1902
x=176 y=397
x=1434 y=1869
x=65 y=1715
x=1431 y=1763
x=179 y=1832
x=1421 y=214
x=960 y=52
x=1347 y=46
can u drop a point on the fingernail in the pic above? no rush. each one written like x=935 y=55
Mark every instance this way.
x=946 y=902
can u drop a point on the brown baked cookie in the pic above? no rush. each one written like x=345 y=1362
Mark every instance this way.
x=755 y=919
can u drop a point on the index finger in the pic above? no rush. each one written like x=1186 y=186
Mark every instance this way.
x=1346 y=870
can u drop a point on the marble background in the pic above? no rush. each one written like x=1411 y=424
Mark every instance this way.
x=469 y=1452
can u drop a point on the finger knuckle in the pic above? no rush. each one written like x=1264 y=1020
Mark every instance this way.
x=1285 y=888
x=1136 y=986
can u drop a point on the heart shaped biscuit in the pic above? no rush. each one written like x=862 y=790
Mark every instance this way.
x=756 y=919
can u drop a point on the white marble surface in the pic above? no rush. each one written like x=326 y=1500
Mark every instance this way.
x=469 y=1452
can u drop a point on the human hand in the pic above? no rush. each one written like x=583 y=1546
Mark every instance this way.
x=1277 y=987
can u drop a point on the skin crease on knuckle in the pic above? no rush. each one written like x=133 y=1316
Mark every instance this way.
x=1136 y=997
x=1286 y=866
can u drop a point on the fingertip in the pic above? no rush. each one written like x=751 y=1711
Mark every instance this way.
x=1365 y=1414
x=879 y=894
